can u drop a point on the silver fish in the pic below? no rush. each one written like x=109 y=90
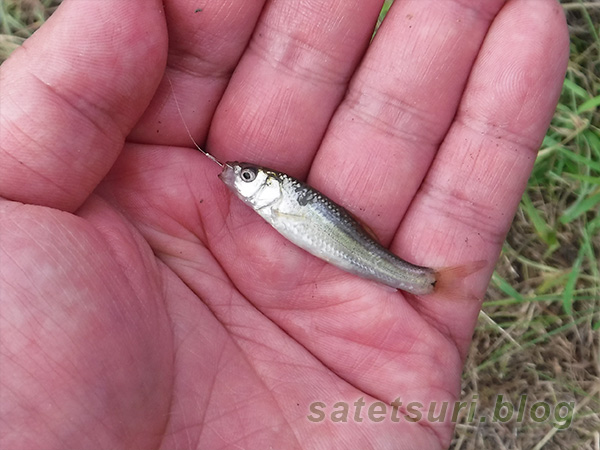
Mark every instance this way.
x=323 y=228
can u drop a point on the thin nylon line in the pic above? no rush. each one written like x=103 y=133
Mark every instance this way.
x=211 y=157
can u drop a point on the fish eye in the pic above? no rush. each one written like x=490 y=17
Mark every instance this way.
x=248 y=174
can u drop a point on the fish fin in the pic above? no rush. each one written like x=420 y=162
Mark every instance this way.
x=369 y=231
x=281 y=215
x=449 y=280
x=366 y=227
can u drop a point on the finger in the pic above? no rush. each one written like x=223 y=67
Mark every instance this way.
x=465 y=206
x=290 y=80
x=398 y=108
x=72 y=94
x=205 y=44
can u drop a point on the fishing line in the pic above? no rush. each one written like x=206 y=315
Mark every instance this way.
x=211 y=157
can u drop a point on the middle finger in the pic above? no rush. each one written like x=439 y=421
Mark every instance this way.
x=290 y=81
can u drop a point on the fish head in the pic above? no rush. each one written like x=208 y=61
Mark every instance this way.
x=254 y=185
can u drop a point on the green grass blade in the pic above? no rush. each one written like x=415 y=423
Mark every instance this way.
x=589 y=105
x=593 y=165
x=505 y=287
x=543 y=230
x=575 y=89
x=567 y=296
x=580 y=207
x=584 y=178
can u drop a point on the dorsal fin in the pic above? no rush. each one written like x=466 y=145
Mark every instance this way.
x=366 y=227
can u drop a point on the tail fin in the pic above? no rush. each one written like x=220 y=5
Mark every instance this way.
x=449 y=281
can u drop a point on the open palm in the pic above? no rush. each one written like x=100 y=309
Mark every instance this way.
x=144 y=306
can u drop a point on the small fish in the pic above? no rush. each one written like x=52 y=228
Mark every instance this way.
x=325 y=229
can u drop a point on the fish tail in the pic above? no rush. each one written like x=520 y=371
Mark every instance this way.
x=449 y=281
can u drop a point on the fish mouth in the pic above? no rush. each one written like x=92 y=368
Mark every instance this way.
x=227 y=175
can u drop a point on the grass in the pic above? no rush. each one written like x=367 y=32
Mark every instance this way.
x=19 y=19
x=538 y=334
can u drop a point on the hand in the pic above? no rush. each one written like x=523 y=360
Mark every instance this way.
x=143 y=306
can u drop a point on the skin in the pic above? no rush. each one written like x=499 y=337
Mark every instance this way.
x=143 y=306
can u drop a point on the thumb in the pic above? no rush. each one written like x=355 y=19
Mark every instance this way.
x=71 y=95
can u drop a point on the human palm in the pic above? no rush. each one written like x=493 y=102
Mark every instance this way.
x=143 y=306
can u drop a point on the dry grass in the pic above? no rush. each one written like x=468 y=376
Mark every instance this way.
x=538 y=331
